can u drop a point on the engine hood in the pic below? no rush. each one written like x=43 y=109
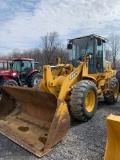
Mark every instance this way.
x=6 y=72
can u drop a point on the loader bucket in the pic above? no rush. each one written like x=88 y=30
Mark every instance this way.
x=33 y=118
x=113 y=141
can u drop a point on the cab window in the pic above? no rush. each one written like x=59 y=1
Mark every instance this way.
x=16 y=65
x=26 y=65
x=99 y=57
x=5 y=65
x=1 y=65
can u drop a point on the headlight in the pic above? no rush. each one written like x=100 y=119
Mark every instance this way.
x=13 y=74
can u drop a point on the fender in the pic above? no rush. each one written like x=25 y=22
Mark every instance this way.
x=32 y=71
x=90 y=78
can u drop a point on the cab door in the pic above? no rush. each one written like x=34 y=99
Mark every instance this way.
x=26 y=67
x=100 y=57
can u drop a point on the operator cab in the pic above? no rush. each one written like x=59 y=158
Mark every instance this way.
x=23 y=66
x=93 y=45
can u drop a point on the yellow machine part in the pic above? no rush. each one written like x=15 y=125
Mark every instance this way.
x=33 y=118
x=113 y=142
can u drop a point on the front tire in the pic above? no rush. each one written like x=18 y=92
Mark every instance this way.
x=111 y=96
x=10 y=82
x=83 y=100
x=34 y=80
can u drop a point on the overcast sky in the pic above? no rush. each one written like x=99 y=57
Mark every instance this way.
x=23 y=22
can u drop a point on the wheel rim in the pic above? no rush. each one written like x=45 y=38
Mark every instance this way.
x=90 y=100
x=115 y=91
x=37 y=81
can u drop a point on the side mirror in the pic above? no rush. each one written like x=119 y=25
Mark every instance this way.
x=69 y=46
x=36 y=63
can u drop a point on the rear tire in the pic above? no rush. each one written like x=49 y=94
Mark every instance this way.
x=34 y=80
x=111 y=96
x=83 y=100
x=10 y=82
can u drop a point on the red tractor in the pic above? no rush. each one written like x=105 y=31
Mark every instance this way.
x=4 y=65
x=22 y=72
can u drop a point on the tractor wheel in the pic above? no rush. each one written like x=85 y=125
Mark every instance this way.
x=83 y=100
x=111 y=96
x=34 y=80
x=10 y=82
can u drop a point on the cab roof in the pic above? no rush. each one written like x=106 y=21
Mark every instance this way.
x=3 y=60
x=23 y=59
x=91 y=35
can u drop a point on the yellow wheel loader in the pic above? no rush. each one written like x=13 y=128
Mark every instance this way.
x=37 y=119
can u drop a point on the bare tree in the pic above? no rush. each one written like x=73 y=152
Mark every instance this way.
x=114 y=42
x=16 y=53
x=50 y=44
x=108 y=55
x=63 y=53
x=52 y=48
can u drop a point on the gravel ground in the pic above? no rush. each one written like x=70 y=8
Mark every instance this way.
x=84 y=141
